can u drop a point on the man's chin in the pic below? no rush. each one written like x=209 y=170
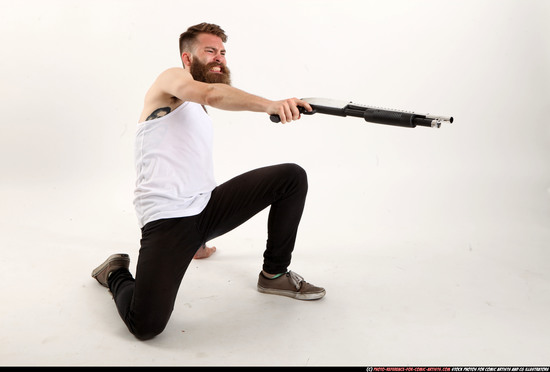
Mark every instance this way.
x=218 y=78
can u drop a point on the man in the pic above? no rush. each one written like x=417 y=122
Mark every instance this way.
x=178 y=204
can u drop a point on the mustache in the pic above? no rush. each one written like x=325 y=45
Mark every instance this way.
x=222 y=67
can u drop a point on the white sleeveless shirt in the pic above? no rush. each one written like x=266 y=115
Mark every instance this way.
x=174 y=165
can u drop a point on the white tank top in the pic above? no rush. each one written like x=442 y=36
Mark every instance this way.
x=174 y=165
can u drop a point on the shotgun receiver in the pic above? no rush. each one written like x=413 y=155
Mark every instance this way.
x=371 y=114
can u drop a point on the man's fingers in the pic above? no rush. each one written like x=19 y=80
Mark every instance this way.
x=282 y=115
x=289 y=109
x=306 y=105
x=285 y=113
x=295 y=112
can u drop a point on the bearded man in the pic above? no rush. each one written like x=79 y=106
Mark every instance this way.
x=178 y=204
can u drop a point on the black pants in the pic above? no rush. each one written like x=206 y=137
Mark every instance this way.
x=168 y=246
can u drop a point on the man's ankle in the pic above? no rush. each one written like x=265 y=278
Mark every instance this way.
x=271 y=276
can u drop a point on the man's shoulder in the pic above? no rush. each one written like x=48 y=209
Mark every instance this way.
x=167 y=79
x=175 y=72
x=171 y=78
x=159 y=96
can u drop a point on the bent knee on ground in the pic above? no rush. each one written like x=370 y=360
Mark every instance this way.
x=147 y=333
x=144 y=336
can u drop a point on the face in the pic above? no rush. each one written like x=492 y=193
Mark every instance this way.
x=208 y=62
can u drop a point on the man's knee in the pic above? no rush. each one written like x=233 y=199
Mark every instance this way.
x=298 y=174
x=147 y=334
x=148 y=329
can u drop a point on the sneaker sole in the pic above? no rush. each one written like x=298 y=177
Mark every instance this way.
x=122 y=258
x=292 y=294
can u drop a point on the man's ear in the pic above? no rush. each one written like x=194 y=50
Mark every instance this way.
x=186 y=59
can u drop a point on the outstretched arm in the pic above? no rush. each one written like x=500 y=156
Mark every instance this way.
x=178 y=82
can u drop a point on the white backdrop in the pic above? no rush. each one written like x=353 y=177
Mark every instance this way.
x=74 y=73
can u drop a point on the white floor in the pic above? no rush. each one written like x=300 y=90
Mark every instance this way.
x=402 y=289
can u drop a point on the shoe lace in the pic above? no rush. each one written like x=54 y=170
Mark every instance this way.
x=295 y=279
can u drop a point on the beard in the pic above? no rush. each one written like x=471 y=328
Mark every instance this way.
x=201 y=72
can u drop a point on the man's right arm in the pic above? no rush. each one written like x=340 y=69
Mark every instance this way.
x=178 y=82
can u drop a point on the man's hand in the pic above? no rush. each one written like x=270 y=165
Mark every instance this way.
x=287 y=109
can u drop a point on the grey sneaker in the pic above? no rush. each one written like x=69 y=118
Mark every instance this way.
x=290 y=285
x=114 y=262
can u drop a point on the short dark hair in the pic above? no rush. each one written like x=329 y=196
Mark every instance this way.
x=188 y=38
